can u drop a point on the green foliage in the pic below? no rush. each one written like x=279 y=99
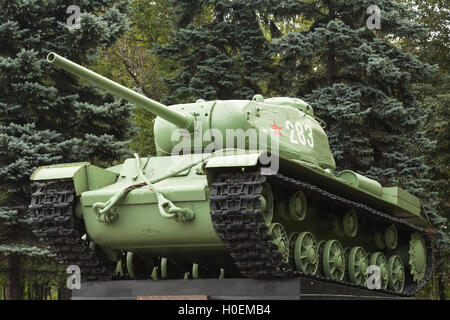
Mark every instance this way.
x=8 y=216
x=434 y=98
x=221 y=50
x=435 y=15
x=131 y=63
x=386 y=109
x=361 y=81
x=46 y=115
x=356 y=78
x=42 y=279
x=25 y=250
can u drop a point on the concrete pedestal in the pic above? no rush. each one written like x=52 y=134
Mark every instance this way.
x=222 y=289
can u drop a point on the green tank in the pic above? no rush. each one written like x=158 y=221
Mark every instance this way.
x=238 y=188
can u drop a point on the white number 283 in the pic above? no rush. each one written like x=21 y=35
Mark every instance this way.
x=300 y=133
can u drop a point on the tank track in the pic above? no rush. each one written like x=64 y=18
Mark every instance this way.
x=238 y=220
x=54 y=223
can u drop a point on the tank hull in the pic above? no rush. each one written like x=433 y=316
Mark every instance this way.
x=140 y=227
x=142 y=230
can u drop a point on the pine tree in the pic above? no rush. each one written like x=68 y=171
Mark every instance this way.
x=360 y=83
x=130 y=62
x=46 y=115
x=357 y=79
x=434 y=98
x=355 y=76
x=220 y=49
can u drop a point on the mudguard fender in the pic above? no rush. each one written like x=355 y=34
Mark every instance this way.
x=224 y=163
x=84 y=175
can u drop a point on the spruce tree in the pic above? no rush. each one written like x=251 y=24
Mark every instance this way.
x=360 y=83
x=131 y=63
x=434 y=97
x=46 y=115
x=356 y=77
x=220 y=50
x=436 y=100
x=353 y=73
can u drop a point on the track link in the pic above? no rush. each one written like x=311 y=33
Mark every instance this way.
x=237 y=218
x=54 y=223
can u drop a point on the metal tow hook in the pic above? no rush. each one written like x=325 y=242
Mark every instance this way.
x=103 y=210
x=180 y=214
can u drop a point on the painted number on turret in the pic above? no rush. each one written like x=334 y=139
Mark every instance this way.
x=300 y=133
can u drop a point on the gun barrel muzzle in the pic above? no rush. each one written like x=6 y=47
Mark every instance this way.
x=182 y=120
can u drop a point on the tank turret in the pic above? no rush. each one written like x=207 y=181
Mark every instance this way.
x=215 y=125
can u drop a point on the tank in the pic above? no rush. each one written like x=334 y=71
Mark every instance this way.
x=239 y=188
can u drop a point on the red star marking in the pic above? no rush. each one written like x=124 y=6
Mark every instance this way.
x=276 y=129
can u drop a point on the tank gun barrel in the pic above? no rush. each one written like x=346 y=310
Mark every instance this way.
x=182 y=120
